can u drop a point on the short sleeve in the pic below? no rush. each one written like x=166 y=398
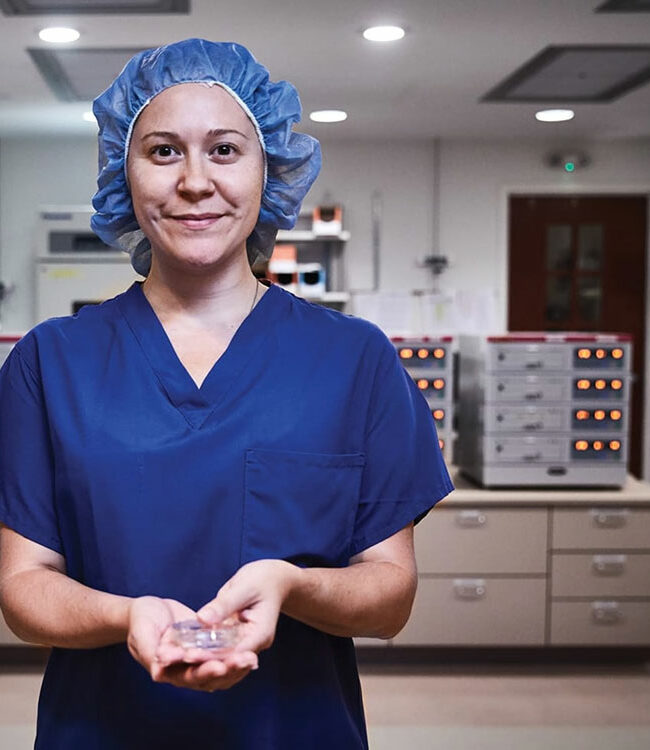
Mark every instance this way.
x=26 y=463
x=404 y=475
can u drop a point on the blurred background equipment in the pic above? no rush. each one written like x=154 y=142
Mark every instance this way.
x=545 y=409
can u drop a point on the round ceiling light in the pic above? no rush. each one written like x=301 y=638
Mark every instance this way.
x=554 y=115
x=58 y=35
x=328 y=115
x=384 y=33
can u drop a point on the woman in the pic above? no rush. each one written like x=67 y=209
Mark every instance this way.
x=205 y=443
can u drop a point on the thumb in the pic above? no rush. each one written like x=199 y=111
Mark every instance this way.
x=228 y=601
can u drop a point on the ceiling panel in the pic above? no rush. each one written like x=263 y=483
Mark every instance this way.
x=80 y=74
x=589 y=73
x=39 y=7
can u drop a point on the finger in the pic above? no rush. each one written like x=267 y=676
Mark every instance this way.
x=233 y=597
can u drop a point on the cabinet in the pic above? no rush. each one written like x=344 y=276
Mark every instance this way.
x=523 y=567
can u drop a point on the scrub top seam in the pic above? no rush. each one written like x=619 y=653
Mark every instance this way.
x=153 y=369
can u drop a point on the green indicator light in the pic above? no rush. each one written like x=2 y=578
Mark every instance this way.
x=570 y=166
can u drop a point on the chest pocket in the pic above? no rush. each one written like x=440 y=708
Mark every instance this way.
x=300 y=507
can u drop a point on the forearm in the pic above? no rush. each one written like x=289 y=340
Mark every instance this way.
x=46 y=607
x=365 y=599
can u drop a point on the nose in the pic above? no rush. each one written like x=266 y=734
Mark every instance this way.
x=195 y=180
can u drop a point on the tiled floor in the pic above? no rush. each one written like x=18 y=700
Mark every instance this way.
x=482 y=706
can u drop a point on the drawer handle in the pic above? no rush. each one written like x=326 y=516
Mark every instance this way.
x=609 y=519
x=469 y=588
x=606 y=613
x=471 y=519
x=609 y=565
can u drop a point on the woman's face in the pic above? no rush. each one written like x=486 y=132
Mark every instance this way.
x=195 y=171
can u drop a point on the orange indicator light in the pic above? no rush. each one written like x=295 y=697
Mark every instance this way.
x=601 y=354
x=600 y=385
x=614 y=445
x=582 y=414
x=439 y=353
x=406 y=353
x=423 y=353
x=617 y=384
x=598 y=445
x=439 y=414
x=615 y=414
x=584 y=353
x=581 y=445
x=599 y=414
x=584 y=385
x=423 y=384
x=438 y=384
x=617 y=353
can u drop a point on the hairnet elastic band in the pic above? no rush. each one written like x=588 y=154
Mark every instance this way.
x=224 y=86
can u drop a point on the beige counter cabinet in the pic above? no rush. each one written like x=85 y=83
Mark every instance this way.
x=482 y=540
x=476 y=611
x=543 y=567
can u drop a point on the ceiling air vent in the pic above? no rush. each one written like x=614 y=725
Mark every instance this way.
x=105 y=7
x=80 y=74
x=624 y=6
x=587 y=73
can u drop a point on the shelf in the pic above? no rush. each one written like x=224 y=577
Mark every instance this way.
x=297 y=235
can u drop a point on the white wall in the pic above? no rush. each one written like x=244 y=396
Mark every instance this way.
x=36 y=171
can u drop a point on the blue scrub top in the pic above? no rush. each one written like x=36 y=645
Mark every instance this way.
x=307 y=441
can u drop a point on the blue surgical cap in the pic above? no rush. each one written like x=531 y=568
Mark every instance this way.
x=292 y=160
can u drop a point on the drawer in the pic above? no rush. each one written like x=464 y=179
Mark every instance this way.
x=479 y=611
x=601 y=574
x=601 y=528
x=482 y=541
x=601 y=622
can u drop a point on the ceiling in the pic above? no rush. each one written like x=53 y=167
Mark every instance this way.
x=428 y=85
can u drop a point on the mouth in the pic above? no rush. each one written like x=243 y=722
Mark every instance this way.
x=196 y=221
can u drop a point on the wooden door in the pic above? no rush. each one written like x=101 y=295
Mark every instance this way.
x=578 y=263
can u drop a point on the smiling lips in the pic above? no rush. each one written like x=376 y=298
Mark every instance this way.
x=196 y=221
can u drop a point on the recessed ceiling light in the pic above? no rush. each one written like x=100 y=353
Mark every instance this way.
x=554 y=115
x=89 y=117
x=383 y=33
x=328 y=115
x=58 y=35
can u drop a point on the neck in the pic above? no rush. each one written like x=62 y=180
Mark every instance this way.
x=222 y=299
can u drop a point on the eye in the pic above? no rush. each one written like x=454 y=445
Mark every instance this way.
x=225 y=150
x=164 y=151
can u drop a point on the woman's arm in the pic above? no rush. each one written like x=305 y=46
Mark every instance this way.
x=41 y=604
x=371 y=597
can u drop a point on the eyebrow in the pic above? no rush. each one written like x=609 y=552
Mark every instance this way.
x=211 y=133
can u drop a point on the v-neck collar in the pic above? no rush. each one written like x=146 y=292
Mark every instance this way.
x=196 y=404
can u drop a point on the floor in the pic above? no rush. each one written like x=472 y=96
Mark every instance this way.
x=468 y=705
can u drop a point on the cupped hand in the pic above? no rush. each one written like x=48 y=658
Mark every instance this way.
x=150 y=641
x=255 y=594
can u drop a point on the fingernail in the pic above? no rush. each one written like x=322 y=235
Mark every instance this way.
x=208 y=614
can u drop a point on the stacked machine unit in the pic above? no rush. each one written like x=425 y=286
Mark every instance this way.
x=545 y=409
x=430 y=362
